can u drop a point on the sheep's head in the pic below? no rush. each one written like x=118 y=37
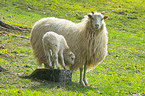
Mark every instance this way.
x=97 y=19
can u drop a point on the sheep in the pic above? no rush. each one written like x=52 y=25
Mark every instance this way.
x=55 y=46
x=87 y=40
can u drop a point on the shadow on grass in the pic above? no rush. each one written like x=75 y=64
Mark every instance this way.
x=45 y=85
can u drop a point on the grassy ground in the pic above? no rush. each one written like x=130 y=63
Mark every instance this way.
x=121 y=73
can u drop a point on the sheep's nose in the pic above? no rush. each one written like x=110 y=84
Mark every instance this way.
x=97 y=25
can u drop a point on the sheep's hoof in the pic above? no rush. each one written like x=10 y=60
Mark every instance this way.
x=86 y=83
x=82 y=83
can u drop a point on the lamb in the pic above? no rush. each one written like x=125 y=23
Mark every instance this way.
x=87 y=40
x=55 y=46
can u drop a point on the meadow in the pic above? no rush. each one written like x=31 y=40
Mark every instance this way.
x=121 y=73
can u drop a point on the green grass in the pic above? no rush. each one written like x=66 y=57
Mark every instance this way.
x=121 y=73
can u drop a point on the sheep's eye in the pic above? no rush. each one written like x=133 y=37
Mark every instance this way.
x=72 y=58
x=93 y=18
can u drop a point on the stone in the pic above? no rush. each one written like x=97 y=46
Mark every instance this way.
x=54 y=75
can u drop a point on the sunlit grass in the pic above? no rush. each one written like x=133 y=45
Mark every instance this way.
x=121 y=73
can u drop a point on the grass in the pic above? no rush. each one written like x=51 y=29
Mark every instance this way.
x=121 y=73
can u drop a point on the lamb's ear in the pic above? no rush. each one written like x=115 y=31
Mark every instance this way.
x=70 y=54
x=106 y=17
x=103 y=12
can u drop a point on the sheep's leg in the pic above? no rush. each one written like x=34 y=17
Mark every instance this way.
x=81 y=77
x=62 y=59
x=84 y=77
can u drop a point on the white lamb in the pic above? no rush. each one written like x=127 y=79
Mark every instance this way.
x=56 y=50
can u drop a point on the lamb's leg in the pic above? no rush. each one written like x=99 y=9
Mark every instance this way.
x=55 y=58
x=48 y=59
x=81 y=77
x=48 y=63
x=62 y=59
x=51 y=59
x=53 y=64
x=84 y=77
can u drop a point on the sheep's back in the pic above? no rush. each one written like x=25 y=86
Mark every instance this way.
x=75 y=36
x=61 y=26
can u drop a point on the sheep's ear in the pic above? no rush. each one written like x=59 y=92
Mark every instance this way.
x=90 y=15
x=106 y=17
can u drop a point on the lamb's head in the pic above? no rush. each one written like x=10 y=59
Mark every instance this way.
x=69 y=57
x=97 y=19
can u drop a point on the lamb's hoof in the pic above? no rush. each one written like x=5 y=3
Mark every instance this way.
x=58 y=68
x=49 y=67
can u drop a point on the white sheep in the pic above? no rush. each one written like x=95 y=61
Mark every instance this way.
x=87 y=40
x=55 y=46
